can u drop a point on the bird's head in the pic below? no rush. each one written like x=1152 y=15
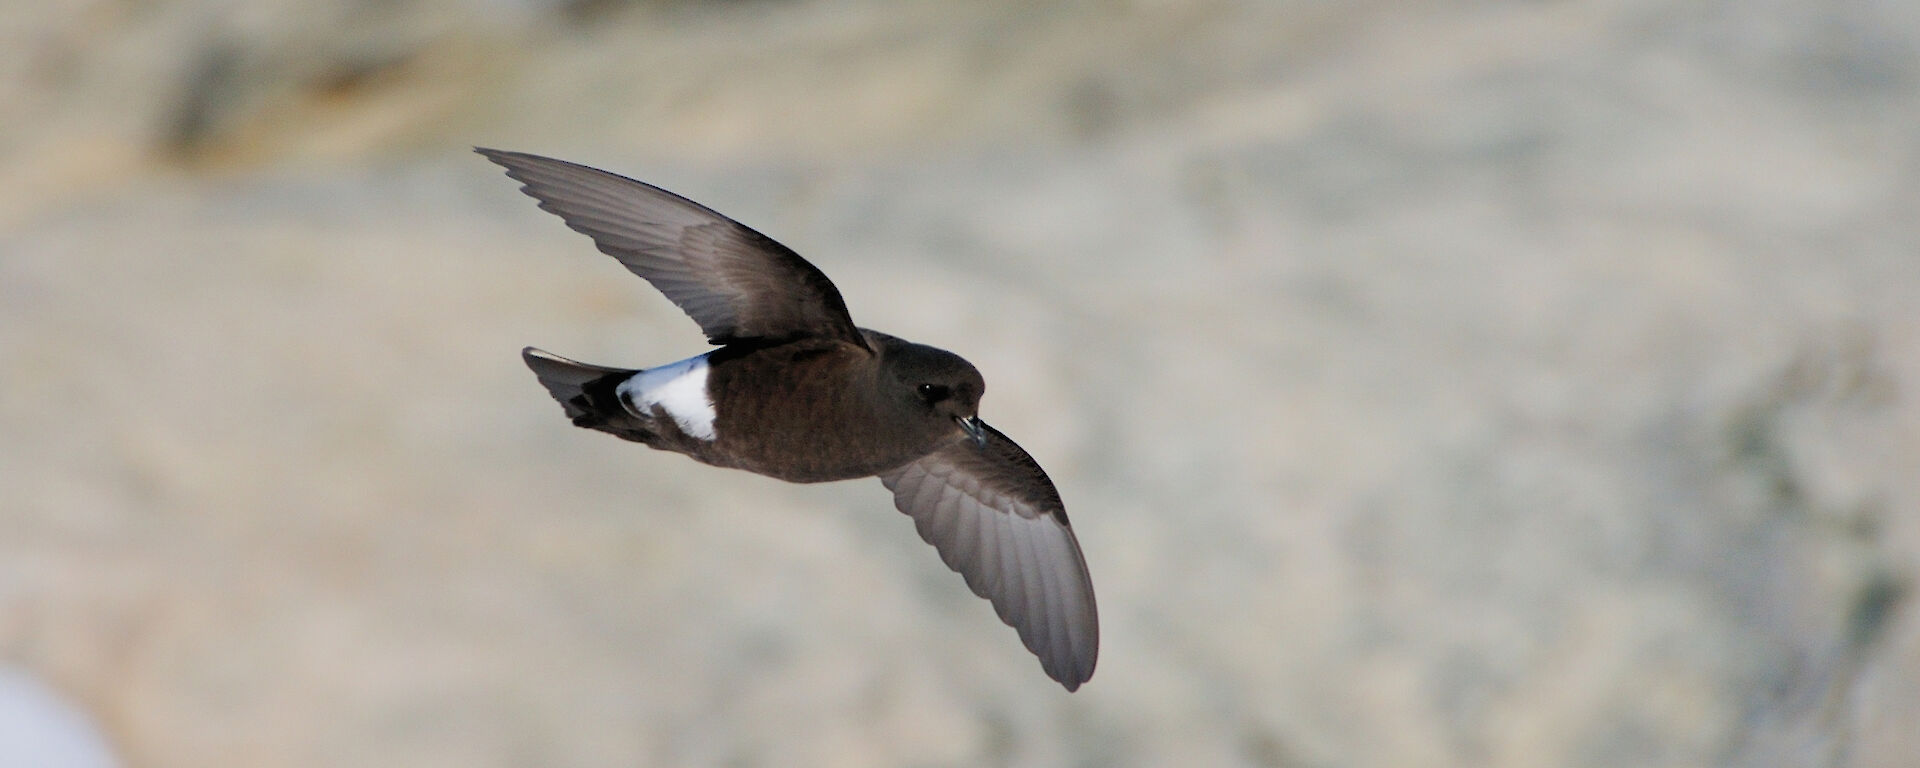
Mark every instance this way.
x=940 y=384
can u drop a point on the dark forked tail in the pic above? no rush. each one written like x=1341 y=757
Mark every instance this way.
x=588 y=393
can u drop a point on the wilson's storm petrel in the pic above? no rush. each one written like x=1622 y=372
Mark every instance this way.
x=796 y=391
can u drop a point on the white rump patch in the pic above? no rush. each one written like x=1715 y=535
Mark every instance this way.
x=680 y=388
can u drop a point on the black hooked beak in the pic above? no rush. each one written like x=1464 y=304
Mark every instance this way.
x=975 y=430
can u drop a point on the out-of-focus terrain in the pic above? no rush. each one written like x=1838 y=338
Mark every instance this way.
x=1479 y=384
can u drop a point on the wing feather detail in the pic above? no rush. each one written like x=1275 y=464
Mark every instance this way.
x=996 y=519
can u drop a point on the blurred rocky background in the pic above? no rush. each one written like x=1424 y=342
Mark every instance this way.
x=1432 y=384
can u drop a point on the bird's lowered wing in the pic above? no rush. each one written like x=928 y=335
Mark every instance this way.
x=997 y=520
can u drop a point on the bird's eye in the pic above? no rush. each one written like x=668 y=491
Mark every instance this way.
x=933 y=392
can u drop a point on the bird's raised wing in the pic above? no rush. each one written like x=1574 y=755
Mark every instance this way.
x=997 y=520
x=738 y=284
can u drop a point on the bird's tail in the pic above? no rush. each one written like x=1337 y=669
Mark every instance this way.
x=588 y=393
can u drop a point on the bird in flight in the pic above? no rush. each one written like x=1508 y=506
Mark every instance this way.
x=795 y=391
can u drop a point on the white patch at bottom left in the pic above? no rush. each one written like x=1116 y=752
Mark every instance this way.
x=40 y=728
x=679 y=388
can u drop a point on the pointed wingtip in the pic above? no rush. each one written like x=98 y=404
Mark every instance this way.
x=501 y=157
x=1072 y=679
x=497 y=157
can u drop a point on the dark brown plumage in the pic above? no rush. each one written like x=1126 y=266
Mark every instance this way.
x=797 y=392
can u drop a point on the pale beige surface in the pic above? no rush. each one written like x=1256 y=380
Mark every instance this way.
x=1506 y=384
